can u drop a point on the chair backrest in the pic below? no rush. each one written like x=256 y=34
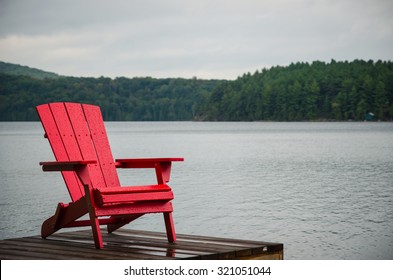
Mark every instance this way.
x=77 y=132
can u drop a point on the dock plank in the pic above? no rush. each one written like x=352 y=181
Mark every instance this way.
x=136 y=245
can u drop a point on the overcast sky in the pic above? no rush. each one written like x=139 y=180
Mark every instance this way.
x=201 y=38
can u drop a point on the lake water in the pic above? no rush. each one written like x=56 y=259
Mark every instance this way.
x=325 y=190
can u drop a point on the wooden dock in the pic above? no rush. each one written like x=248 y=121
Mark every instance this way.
x=136 y=245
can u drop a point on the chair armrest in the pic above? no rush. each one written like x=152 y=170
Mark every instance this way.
x=65 y=165
x=79 y=166
x=143 y=162
x=161 y=165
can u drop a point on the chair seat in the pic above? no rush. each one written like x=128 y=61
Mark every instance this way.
x=109 y=196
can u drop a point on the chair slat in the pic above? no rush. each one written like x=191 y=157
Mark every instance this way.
x=66 y=131
x=73 y=184
x=136 y=189
x=83 y=138
x=103 y=199
x=101 y=142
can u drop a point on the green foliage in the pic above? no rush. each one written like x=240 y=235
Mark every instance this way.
x=14 y=69
x=303 y=91
x=137 y=99
x=298 y=92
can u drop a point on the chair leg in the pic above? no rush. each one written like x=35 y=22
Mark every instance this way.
x=65 y=215
x=95 y=227
x=48 y=227
x=95 y=224
x=51 y=225
x=170 y=227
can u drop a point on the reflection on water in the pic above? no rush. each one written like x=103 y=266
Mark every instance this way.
x=325 y=190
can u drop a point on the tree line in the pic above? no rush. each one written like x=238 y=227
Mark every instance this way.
x=16 y=69
x=120 y=99
x=301 y=91
x=318 y=91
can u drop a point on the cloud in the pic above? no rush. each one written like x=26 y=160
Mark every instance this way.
x=208 y=39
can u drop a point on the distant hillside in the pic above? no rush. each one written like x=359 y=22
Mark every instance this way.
x=120 y=99
x=317 y=91
x=19 y=70
x=340 y=91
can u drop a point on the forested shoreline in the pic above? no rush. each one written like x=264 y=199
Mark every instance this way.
x=317 y=91
x=299 y=92
x=120 y=99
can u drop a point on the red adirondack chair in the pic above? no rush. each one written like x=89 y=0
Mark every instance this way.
x=79 y=142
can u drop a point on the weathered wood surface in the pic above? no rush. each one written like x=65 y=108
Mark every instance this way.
x=136 y=245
